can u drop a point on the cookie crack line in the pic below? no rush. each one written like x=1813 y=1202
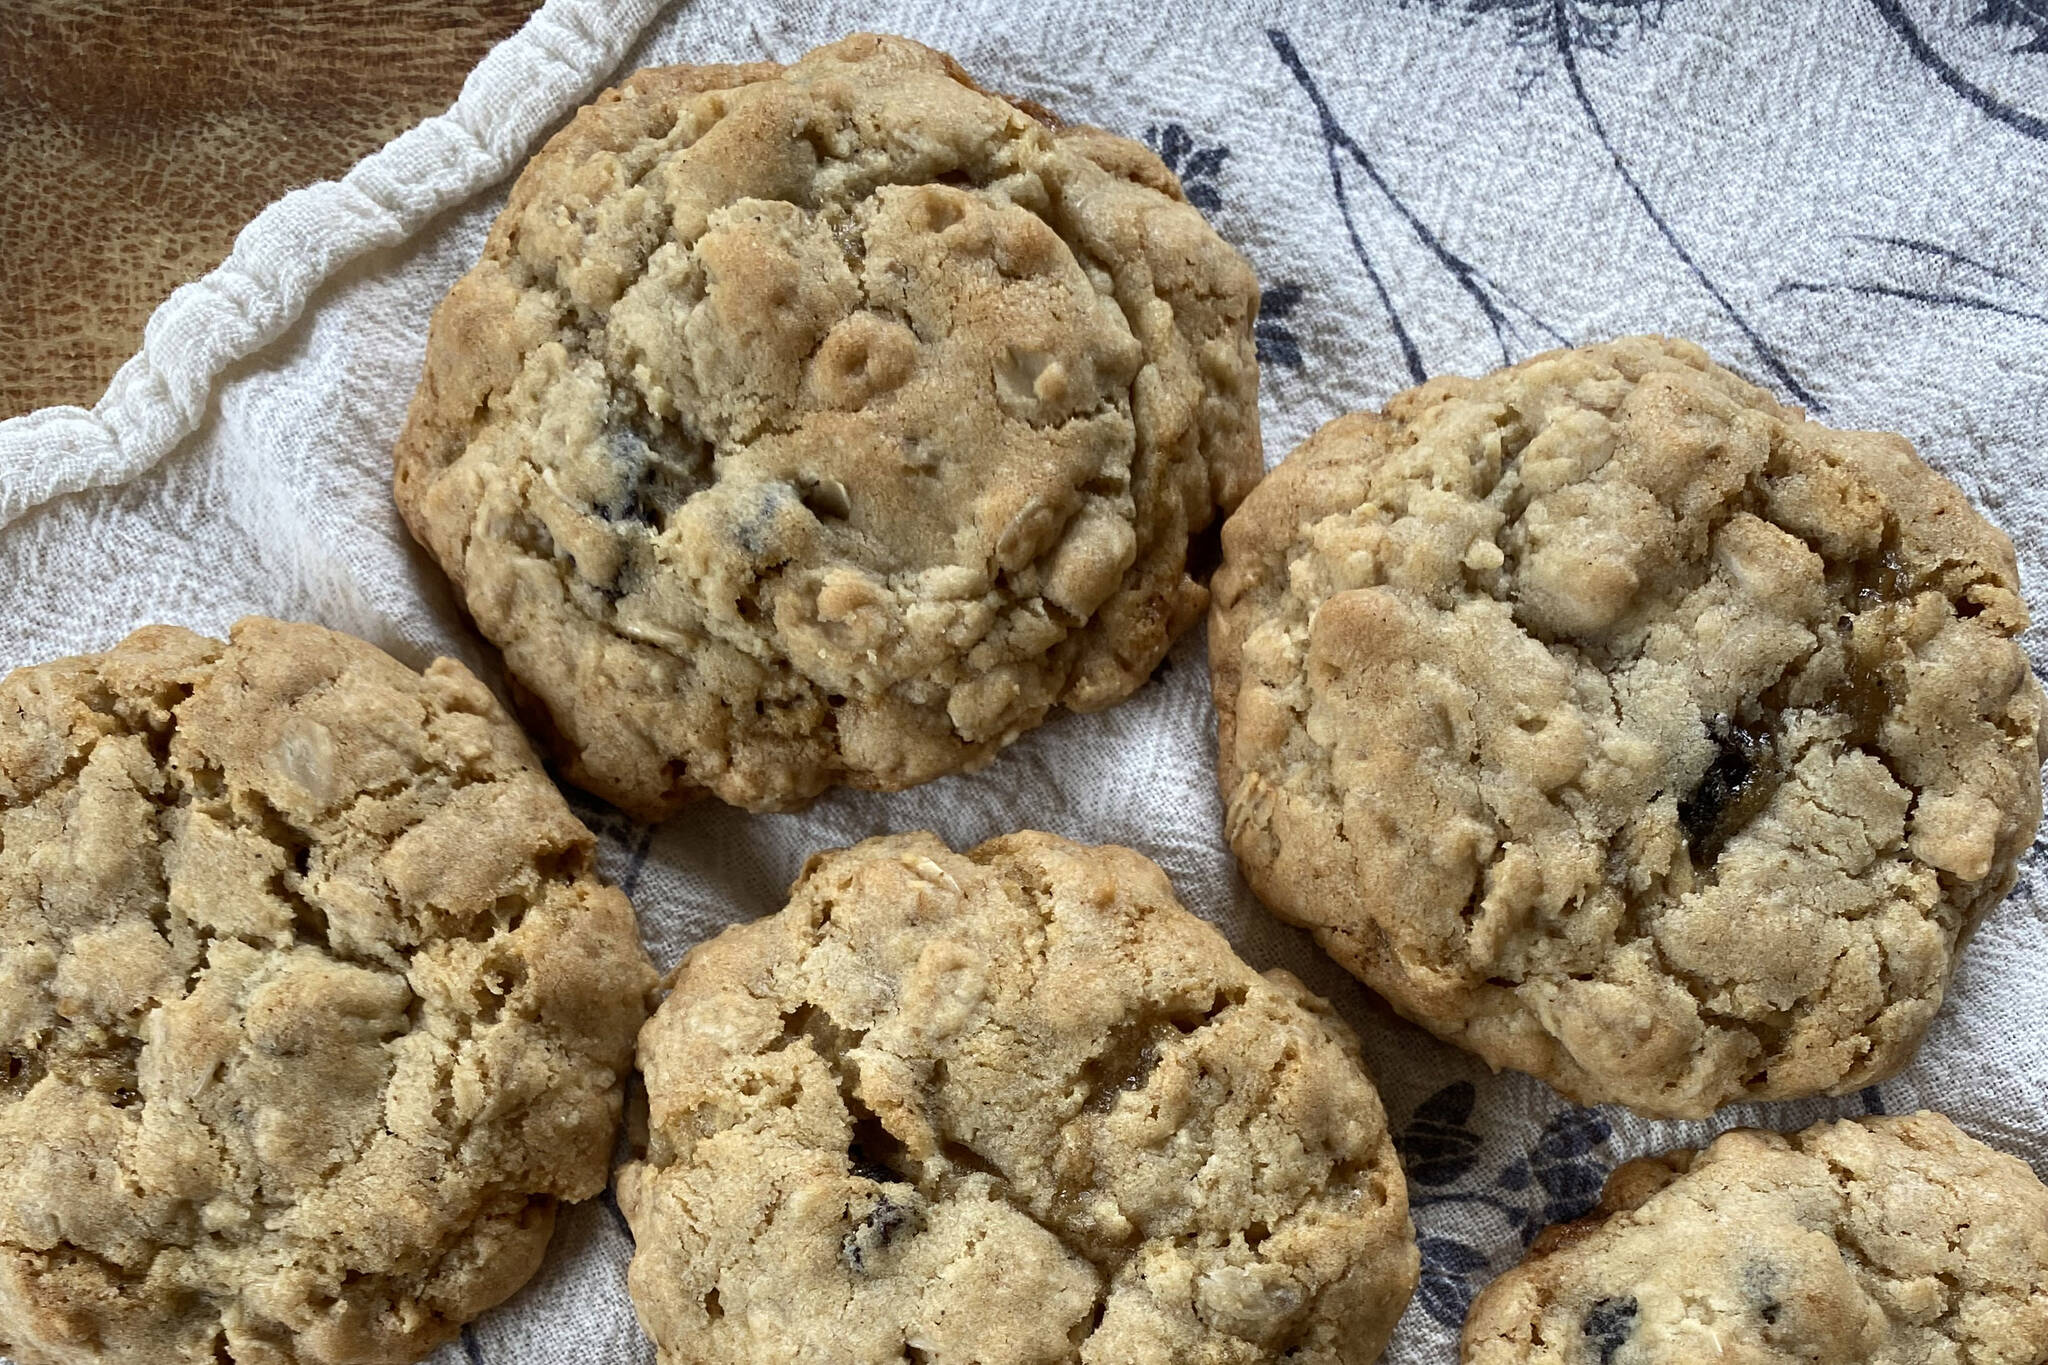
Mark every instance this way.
x=958 y=1159
x=294 y=840
x=959 y=1163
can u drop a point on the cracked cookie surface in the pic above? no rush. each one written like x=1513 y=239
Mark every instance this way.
x=1627 y=728
x=313 y=1005
x=1005 y=1106
x=1875 y=1241
x=829 y=424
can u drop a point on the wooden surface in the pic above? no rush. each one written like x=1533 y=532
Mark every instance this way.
x=137 y=138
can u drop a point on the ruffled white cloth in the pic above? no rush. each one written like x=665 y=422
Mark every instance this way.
x=1844 y=200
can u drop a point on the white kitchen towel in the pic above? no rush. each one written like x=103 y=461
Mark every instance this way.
x=1845 y=200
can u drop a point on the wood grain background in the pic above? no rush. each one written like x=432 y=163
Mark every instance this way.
x=137 y=138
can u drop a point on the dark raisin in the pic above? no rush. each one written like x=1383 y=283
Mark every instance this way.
x=1760 y=1285
x=1735 y=788
x=1609 y=1322
x=631 y=456
x=875 y=1231
x=655 y=476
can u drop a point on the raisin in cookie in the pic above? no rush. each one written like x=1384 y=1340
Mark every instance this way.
x=829 y=424
x=1880 y=1241
x=1627 y=728
x=1006 y=1106
x=313 y=1005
